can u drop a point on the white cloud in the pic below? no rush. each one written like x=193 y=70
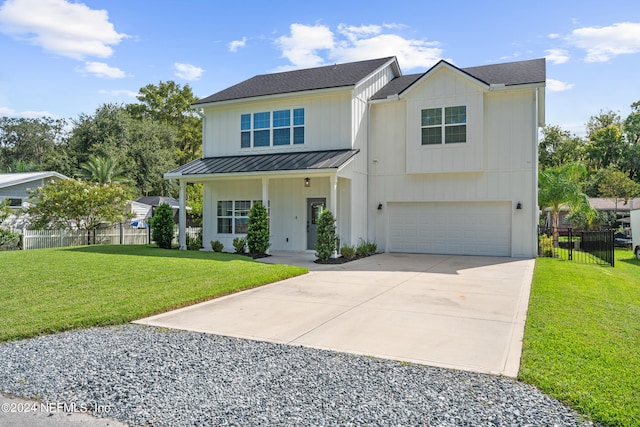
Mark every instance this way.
x=10 y=112
x=119 y=92
x=314 y=45
x=100 y=69
x=237 y=44
x=410 y=53
x=554 y=35
x=67 y=29
x=558 y=86
x=557 y=56
x=605 y=43
x=187 y=71
x=302 y=46
x=355 y=33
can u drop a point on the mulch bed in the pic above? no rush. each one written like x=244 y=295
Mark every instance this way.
x=339 y=260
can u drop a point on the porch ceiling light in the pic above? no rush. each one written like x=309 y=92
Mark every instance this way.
x=307 y=182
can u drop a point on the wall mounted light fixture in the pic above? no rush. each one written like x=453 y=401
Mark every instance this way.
x=519 y=205
x=379 y=206
x=307 y=182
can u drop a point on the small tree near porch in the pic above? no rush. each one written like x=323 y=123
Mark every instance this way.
x=162 y=226
x=258 y=230
x=326 y=240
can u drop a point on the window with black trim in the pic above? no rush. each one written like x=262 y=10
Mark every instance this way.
x=446 y=125
x=271 y=129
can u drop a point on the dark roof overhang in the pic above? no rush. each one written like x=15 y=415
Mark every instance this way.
x=251 y=164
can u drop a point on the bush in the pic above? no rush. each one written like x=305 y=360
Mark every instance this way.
x=8 y=240
x=240 y=245
x=366 y=248
x=349 y=252
x=258 y=230
x=217 y=246
x=326 y=240
x=195 y=243
x=546 y=244
x=163 y=227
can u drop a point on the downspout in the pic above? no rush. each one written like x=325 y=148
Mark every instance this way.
x=370 y=181
x=535 y=172
x=182 y=216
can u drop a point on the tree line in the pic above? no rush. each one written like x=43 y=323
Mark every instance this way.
x=606 y=163
x=134 y=144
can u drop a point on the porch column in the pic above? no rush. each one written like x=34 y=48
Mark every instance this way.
x=333 y=195
x=333 y=203
x=182 y=216
x=265 y=192
x=265 y=203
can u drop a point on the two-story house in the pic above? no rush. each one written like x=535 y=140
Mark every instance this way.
x=439 y=162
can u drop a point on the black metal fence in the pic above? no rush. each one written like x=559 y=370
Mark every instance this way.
x=594 y=247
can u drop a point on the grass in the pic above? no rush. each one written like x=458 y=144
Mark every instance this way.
x=52 y=290
x=582 y=337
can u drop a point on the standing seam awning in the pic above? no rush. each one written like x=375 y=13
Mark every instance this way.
x=272 y=162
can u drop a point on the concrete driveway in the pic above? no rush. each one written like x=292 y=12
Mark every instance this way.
x=462 y=312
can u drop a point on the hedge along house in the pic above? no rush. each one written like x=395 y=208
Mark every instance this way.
x=439 y=162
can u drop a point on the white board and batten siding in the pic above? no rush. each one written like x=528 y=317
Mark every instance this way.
x=459 y=228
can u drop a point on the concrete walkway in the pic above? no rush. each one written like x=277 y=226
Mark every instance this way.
x=461 y=312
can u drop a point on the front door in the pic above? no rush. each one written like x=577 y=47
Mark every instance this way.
x=314 y=209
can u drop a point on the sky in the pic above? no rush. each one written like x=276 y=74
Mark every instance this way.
x=64 y=58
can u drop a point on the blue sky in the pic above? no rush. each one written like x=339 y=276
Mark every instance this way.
x=63 y=58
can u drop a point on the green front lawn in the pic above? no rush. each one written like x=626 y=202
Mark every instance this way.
x=51 y=290
x=582 y=337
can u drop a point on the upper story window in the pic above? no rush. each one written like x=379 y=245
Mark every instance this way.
x=269 y=129
x=451 y=130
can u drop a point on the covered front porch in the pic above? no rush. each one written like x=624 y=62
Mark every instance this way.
x=295 y=188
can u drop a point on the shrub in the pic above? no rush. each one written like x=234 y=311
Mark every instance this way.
x=195 y=243
x=240 y=245
x=366 y=248
x=8 y=240
x=163 y=227
x=258 y=230
x=217 y=246
x=349 y=252
x=546 y=244
x=326 y=240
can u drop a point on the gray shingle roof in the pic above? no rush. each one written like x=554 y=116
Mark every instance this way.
x=330 y=76
x=301 y=160
x=509 y=74
x=396 y=86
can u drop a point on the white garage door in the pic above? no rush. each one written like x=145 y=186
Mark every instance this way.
x=476 y=228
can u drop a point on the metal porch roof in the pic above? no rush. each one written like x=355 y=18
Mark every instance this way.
x=271 y=162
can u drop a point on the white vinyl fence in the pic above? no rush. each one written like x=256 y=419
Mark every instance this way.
x=40 y=239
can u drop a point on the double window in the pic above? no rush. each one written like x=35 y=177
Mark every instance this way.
x=451 y=130
x=233 y=216
x=267 y=129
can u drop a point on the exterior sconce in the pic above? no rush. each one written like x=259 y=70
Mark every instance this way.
x=519 y=205
x=379 y=206
x=307 y=182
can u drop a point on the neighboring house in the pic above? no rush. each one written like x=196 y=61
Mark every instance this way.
x=14 y=186
x=144 y=207
x=621 y=208
x=439 y=162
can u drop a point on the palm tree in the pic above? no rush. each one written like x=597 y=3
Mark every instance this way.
x=558 y=186
x=103 y=170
